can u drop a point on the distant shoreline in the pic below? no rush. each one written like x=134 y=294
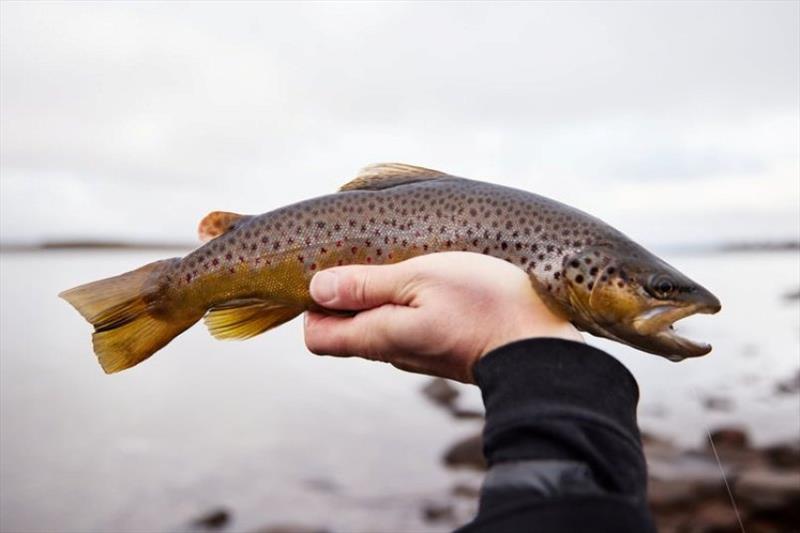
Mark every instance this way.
x=94 y=245
x=786 y=245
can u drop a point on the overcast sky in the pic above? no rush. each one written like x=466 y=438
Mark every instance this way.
x=674 y=122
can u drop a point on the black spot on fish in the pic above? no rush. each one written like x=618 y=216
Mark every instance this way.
x=579 y=279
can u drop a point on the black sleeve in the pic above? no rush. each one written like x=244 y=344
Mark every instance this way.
x=561 y=441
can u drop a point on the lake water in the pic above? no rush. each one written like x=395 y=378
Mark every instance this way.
x=277 y=435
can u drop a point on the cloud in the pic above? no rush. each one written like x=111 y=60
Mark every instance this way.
x=171 y=110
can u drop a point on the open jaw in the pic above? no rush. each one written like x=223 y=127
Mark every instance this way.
x=658 y=324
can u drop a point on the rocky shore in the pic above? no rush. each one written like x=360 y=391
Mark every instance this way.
x=727 y=485
x=687 y=490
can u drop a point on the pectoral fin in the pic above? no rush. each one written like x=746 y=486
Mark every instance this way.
x=247 y=318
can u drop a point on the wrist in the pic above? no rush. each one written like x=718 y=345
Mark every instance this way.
x=560 y=330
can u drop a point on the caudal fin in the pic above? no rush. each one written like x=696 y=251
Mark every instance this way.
x=124 y=310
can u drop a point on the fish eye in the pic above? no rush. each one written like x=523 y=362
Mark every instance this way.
x=661 y=286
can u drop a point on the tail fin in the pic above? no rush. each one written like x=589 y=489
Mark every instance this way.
x=126 y=329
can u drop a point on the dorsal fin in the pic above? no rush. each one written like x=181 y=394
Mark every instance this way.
x=385 y=175
x=216 y=223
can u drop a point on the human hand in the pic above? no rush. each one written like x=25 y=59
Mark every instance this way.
x=435 y=314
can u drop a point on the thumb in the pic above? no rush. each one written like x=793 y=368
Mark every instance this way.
x=358 y=287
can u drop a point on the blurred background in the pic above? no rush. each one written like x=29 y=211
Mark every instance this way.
x=122 y=124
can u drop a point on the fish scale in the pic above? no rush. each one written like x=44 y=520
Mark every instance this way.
x=253 y=273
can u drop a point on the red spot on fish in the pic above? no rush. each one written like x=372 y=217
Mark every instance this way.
x=313 y=266
x=215 y=261
x=369 y=260
x=389 y=256
x=353 y=250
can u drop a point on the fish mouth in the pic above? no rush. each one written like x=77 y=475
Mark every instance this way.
x=658 y=324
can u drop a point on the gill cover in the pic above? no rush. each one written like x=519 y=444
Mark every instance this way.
x=629 y=295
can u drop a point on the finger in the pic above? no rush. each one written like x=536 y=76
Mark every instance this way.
x=358 y=287
x=371 y=334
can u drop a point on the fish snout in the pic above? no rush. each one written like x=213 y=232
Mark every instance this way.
x=707 y=303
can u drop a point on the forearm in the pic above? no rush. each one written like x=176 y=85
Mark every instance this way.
x=561 y=440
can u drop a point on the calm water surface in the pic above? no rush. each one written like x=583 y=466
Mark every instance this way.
x=277 y=435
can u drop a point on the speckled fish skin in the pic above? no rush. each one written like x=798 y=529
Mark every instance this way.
x=583 y=269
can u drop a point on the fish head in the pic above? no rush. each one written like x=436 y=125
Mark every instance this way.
x=627 y=294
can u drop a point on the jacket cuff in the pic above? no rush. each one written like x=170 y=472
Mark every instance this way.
x=542 y=383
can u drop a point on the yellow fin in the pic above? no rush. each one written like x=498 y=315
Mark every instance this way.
x=128 y=327
x=216 y=223
x=247 y=318
x=386 y=175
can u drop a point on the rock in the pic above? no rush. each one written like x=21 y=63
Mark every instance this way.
x=465 y=490
x=467 y=453
x=769 y=489
x=466 y=414
x=783 y=455
x=321 y=485
x=791 y=296
x=731 y=438
x=717 y=403
x=215 y=519
x=673 y=494
x=715 y=516
x=437 y=511
x=790 y=385
x=441 y=392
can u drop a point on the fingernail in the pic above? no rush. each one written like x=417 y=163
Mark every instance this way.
x=323 y=287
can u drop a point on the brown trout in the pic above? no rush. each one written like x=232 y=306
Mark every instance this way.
x=253 y=273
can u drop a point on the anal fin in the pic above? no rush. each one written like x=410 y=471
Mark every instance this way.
x=247 y=318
